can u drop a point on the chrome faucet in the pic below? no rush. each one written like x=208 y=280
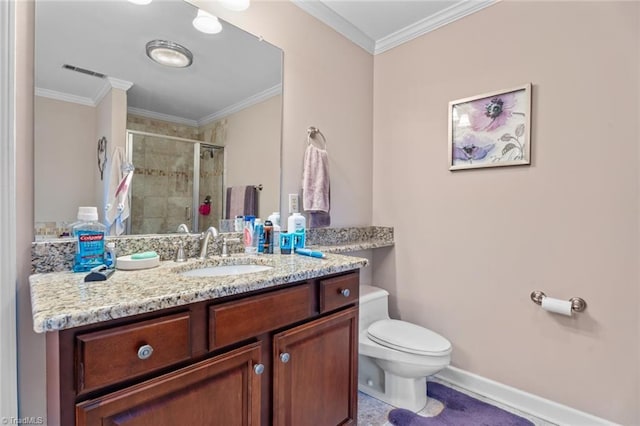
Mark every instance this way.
x=225 y=250
x=183 y=228
x=211 y=232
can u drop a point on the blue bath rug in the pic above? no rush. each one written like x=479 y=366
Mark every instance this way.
x=459 y=410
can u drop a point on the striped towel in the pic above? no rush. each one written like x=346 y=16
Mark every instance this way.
x=241 y=200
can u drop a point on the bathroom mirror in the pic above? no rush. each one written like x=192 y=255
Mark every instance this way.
x=93 y=78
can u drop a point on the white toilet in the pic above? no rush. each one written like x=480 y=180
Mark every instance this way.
x=395 y=357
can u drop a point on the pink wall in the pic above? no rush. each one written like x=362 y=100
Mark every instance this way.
x=471 y=245
x=64 y=148
x=328 y=83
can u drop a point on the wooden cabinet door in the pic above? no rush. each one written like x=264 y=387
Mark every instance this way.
x=315 y=372
x=224 y=390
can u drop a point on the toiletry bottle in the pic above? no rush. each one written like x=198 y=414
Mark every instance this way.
x=276 y=239
x=89 y=235
x=275 y=219
x=267 y=238
x=248 y=233
x=295 y=223
x=110 y=255
x=258 y=234
x=296 y=227
x=238 y=223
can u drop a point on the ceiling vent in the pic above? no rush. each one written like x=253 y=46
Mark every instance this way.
x=83 y=71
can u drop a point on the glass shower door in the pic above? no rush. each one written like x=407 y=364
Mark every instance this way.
x=162 y=188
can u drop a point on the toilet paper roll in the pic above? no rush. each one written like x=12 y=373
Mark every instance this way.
x=556 y=306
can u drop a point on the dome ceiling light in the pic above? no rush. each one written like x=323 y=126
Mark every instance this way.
x=207 y=23
x=169 y=53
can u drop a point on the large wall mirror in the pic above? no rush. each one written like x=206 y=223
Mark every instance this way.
x=187 y=133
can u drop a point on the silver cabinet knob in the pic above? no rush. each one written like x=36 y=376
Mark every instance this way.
x=258 y=369
x=284 y=357
x=345 y=292
x=145 y=351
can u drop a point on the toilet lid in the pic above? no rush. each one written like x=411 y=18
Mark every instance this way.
x=407 y=337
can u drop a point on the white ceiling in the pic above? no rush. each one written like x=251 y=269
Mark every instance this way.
x=379 y=25
x=230 y=70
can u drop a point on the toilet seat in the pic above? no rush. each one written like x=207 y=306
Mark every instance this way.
x=406 y=337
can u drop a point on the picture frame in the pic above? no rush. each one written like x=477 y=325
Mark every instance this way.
x=491 y=130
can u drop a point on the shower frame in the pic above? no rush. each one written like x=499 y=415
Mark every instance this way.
x=196 y=171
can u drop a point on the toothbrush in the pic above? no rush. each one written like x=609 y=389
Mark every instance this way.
x=312 y=253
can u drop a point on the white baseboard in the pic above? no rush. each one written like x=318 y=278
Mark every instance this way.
x=527 y=403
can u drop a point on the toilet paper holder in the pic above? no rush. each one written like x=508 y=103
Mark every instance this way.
x=578 y=304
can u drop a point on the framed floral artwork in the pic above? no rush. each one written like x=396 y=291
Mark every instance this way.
x=490 y=130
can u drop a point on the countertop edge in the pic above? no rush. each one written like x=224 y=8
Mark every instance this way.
x=44 y=321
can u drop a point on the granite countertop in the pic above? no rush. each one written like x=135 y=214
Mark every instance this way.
x=351 y=246
x=61 y=300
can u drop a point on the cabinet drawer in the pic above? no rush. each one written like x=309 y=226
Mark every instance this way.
x=339 y=291
x=236 y=321
x=109 y=356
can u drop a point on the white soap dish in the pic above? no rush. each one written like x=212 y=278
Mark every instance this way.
x=126 y=263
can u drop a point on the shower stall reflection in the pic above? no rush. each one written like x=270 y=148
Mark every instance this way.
x=177 y=181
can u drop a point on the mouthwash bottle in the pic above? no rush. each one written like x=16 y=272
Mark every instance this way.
x=89 y=235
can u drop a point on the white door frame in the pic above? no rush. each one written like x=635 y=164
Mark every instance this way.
x=8 y=266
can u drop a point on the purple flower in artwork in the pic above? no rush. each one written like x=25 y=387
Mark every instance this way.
x=471 y=148
x=490 y=113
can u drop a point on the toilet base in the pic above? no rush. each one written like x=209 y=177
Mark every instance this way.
x=401 y=392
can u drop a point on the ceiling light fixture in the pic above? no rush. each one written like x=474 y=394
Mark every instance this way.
x=141 y=2
x=207 y=23
x=169 y=53
x=236 y=5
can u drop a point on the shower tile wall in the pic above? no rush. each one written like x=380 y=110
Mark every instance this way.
x=150 y=125
x=162 y=186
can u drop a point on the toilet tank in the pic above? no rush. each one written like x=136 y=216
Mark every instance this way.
x=374 y=305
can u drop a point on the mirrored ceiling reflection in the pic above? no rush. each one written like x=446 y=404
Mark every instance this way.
x=109 y=38
x=84 y=48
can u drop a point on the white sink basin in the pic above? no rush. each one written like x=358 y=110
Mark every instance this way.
x=217 y=271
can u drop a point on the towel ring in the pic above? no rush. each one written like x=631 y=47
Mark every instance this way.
x=312 y=132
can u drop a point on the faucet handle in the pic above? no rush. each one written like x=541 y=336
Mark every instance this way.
x=225 y=251
x=180 y=256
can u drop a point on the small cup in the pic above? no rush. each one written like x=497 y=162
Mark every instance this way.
x=286 y=243
x=227 y=225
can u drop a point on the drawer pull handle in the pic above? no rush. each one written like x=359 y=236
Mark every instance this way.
x=345 y=292
x=145 y=351
x=258 y=369
x=284 y=357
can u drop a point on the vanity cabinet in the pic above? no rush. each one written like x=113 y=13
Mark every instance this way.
x=281 y=356
x=223 y=390
x=315 y=372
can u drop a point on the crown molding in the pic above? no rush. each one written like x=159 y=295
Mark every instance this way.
x=328 y=16
x=163 y=117
x=245 y=103
x=116 y=83
x=52 y=94
x=430 y=23
x=106 y=88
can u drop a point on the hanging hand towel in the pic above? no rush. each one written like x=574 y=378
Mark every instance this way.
x=241 y=201
x=315 y=180
x=117 y=206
